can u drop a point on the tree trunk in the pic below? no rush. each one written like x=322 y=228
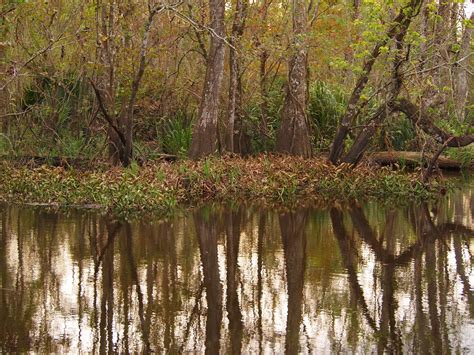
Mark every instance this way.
x=235 y=84
x=461 y=85
x=403 y=19
x=3 y=92
x=293 y=135
x=115 y=147
x=363 y=139
x=120 y=127
x=263 y=58
x=264 y=98
x=4 y=95
x=128 y=110
x=204 y=141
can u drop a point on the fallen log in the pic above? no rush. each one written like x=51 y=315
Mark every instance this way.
x=414 y=159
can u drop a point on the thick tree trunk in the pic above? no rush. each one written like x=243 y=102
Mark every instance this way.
x=107 y=58
x=235 y=84
x=293 y=135
x=355 y=153
x=461 y=85
x=204 y=141
x=402 y=20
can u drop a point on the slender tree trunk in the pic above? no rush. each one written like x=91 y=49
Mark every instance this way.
x=263 y=58
x=461 y=87
x=363 y=139
x=293 y=135
x=120 y=126
x=402 y=20
x=128 y=111
x=105 y=17
x=235 y=85
x=264 y=98
x=204 y=141
x=3 y=72
x=3 y=92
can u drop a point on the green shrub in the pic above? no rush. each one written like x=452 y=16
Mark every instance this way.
x=398 y=134
x=326 y=106
x=465 y=155
x=253 y=113
x=5 y=145
x=176 y=136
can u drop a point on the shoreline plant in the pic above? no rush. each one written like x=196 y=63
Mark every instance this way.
x=161 y=188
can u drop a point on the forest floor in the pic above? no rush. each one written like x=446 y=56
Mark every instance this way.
x=161 y=187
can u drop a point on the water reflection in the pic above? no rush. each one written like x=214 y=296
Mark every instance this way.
x=241 y=279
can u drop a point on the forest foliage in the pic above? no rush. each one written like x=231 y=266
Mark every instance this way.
x=80 y=78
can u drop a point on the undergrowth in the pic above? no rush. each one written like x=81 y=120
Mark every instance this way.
x=160 y=188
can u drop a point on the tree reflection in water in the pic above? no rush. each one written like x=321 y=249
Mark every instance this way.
x=292 y=226
x=240 y=279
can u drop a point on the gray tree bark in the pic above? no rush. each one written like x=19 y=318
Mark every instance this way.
x=205 y=137
x=235 y=84
x=293 y=136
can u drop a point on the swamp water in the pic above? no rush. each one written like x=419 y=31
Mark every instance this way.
x=232 y=279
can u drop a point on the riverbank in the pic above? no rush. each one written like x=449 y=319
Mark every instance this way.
x=162 y=187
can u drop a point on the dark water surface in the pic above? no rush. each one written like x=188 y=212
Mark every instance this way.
x=241 y=279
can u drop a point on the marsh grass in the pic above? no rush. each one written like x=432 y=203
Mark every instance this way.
x=162 y=187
